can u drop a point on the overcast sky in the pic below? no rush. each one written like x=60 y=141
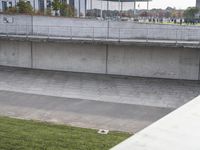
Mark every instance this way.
x=179 y=4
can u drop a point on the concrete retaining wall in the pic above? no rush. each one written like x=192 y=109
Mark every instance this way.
x=15 y=53
x=70 y=57
x=60 y=26
x=174 y=63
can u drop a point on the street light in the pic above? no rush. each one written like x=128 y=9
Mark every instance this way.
x=79 y=8
x=101 y=9
x=107 y=7
x=134 y=9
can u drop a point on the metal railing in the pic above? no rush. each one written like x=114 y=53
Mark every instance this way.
x=102 y=33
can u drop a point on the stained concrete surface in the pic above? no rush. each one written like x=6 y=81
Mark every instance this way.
x=173 y=63
x=69 y=57
x=78 y=112
x=107 y=88
x=142 y=61
x=91 y=100
x=58 y=26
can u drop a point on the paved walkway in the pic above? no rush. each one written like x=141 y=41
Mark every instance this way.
x=78 y=112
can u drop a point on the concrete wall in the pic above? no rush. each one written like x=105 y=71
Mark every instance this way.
x=15 y=53
x=130 y=30
x=70 y=57
x=69 y=26
x=174 y=63
x=17 y=24
x=60 y=26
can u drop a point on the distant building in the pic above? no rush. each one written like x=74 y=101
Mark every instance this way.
x=198 y=6
x=38 y=5
x=4 y=4
x=80 y=7
x=41 y=5
x=198 y=3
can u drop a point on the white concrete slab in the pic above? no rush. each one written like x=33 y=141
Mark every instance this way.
x=180 y=130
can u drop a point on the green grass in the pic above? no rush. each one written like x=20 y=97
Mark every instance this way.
x=16 y=134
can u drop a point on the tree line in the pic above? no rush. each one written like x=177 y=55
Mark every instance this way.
x=56 y=8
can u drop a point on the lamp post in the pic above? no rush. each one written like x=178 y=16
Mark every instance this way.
x=107 y=7
x=85 y=7
x=134 y=9
x=79 y=8
x=91 y=7
x=119 y=8
x=34 y=5
x=101 y=9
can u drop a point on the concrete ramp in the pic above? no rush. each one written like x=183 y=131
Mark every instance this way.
x=177 y=131
x=117 y=89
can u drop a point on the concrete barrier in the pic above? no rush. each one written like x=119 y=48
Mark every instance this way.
x=67 y=27
x=159 y=62
x=16 y=24
x=131 y=30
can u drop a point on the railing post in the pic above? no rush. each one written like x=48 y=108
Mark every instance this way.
x=6 y=30
x=37 y=31
x=181 y=34
x=108 y=30
x=147 y=38
x=93 y=32
x=71 y=32
x=16 y=30
x=26 y=31
x=48 y=32
x=119 y=35
x=176 y=36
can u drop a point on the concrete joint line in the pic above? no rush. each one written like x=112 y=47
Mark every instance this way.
x=106 y=58
x=199 y=67
x=31 y=54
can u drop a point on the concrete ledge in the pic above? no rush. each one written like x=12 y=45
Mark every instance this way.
x=177 y=131
x=138 y=42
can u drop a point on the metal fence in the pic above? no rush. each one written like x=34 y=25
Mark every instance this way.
x=102 y=33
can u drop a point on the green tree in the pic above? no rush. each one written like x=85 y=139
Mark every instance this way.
x=56 y=5
x=24 y=7
x=190 y=12
x=66 y=10
x=11 y=10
